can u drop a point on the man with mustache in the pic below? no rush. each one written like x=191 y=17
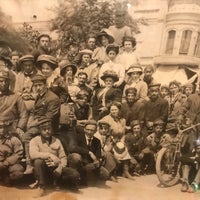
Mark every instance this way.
x=156 y=107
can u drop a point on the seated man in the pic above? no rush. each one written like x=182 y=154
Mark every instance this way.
x=49 y=159
x=11 y=153
x=86 y=156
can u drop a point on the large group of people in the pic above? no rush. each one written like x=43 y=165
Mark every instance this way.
x=92 y=114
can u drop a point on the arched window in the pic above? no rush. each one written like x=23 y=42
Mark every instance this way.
x=197 y=47
x=185 y=42
x=170 y=42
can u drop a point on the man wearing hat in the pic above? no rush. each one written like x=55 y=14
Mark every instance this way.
x=156 y=107
x=13 y=110
x=23 y=85
x=134 y=73
x=47 y=104
x=11 y=153
x=47 y=64
x=132 y=109
x=119 y=29
x=49 y=159
x=112 y=50
x=43 y=46
x=103 y=97
x=86 y=156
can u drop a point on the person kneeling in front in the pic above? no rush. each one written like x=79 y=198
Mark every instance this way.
x=49 y=160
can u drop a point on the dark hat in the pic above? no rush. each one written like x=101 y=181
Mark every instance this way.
x=103 y=123
x=134 y=68
x=44 y=122
x=131 y=90
x=4 y=74
x=104 y=33
x=15 y=53
x=43 y=35
x=91 y=122
x=26 y=58
x=47 y=59
x=6 y=60
x=129 y=38
x=63 y=66
x=38 y=77
x=189 y=85
x=134 y=123
x=149 y=67
x=155 y=85
x=112 y=47
x=158 y=122
x=111 y=74
x=86 y=51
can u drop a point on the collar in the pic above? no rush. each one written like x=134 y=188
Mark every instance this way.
x=41 y=95
x=47 y=141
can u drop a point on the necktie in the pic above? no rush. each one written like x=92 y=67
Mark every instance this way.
x=89 y=142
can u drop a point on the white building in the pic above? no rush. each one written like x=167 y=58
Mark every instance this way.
x=171 y=39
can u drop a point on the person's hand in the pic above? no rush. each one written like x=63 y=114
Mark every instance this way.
x=20 y=132
x=55 y=159
x=96 y=164
x=116 y=84
x=50 y=163
x=94 y=158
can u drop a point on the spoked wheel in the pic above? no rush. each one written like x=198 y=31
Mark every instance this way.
x=168 y=166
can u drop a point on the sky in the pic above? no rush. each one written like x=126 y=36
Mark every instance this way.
x=24 y=10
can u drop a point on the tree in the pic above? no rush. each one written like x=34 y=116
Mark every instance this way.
x=75 y=19
x=9 y=36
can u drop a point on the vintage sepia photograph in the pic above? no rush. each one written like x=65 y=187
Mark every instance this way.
x=99 y=99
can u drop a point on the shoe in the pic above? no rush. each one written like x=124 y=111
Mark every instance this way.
x=114 y=179
x=193 y=188
x=184 y=187
x=136 y=174
x=41 y=192
x=29 y=169
x=34 y=185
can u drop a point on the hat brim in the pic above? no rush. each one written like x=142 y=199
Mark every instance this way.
x=110 y=38
x=74 y=69
x=53 y=65
x=115 y=78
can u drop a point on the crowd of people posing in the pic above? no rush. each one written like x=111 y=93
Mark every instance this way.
x=92 y=114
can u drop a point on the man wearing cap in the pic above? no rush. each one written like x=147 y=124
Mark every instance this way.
x=87 y=155
x=156 y=107
x=47 y=104
x=132 y=109
x=119 y=30
x=43 y=46
x=12 y=110
x=23 y=85
x=11 y=153
x=49 y=159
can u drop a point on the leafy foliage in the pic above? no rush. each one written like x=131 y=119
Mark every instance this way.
x=76 y=19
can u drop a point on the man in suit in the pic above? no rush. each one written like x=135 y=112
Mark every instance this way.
x=47 y=104
x=86 y=156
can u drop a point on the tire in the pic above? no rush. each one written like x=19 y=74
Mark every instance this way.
x=167 y=172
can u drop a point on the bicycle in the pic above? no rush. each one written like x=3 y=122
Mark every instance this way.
x=167 y=161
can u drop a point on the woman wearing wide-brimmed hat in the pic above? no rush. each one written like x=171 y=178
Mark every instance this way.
x=134 y=80
x=47 y=64
x=103 y=39
x=103 y=97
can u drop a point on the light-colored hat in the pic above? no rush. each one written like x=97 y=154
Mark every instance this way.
x=120 y=151
x=26 y=58
x=134 y=68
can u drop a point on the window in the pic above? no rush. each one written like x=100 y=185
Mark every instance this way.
x=197 y=46
x=170 y=42
x=185 y=42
